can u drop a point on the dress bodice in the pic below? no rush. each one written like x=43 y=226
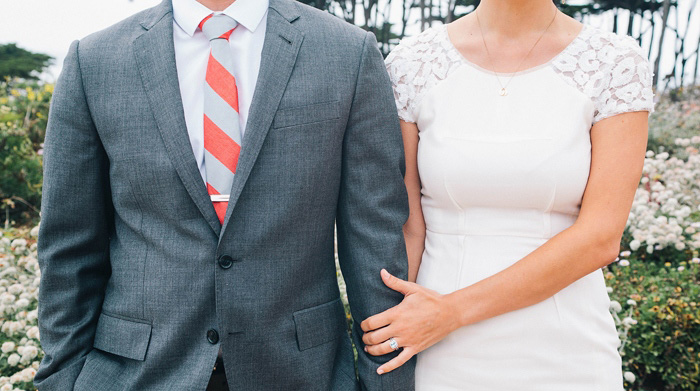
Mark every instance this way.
x=515 y=164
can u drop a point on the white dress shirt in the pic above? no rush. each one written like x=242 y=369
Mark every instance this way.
x=192 y=54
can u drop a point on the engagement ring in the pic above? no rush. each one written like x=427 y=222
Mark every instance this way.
x=394 y=345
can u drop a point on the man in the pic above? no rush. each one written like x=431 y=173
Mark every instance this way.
x=195 y=168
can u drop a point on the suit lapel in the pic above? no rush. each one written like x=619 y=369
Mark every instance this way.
x=280 y=48
x=155 y=58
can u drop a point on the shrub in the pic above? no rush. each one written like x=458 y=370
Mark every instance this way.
x=658 y=316
x=23 y=115
x=20 y=352
x=677 y=116
x=664 y=223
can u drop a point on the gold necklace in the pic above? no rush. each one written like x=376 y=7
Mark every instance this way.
x=504 y=91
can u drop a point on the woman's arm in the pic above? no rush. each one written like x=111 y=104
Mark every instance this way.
x=414 y=229
x=425 y=317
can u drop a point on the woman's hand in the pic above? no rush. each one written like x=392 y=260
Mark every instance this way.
x=423 y=318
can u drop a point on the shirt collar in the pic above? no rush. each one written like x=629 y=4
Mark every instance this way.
x=248 y=13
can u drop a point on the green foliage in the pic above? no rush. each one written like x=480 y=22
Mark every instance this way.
x=23 y=114
x=661 y=334
x=676 y=116
x=17 y=62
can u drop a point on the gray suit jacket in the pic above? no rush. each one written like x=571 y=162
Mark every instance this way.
x=137 y=270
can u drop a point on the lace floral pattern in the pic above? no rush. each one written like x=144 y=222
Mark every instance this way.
x=608 y=68
x=417 y=64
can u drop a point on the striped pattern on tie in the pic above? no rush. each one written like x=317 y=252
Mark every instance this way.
x=222 y=134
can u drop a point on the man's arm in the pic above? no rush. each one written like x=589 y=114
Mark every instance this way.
x=76 y=214
x=372 y=209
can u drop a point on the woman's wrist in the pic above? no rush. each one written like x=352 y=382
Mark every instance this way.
x=464 y=306
x=456 y=309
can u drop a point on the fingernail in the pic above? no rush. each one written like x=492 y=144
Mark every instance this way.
x=365 y=349
x=380 y=371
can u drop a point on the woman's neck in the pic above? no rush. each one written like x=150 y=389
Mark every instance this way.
x=216 y=5
x=513 y=18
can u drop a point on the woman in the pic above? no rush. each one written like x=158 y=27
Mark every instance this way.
x=529 y=132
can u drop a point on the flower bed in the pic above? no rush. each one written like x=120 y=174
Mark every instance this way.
x=20 y=352
x=657 y=311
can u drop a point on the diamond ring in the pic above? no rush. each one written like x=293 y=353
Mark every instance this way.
x=394 y=345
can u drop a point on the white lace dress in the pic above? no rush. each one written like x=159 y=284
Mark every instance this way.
x=500 y=176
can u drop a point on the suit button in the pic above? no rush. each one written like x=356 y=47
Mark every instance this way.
x=212 y=336
x=225 y=261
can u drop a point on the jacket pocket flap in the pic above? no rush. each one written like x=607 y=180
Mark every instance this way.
x=320 y=324
x=123 y=337
x=308 y=114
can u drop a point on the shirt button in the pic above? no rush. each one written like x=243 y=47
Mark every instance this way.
x=225 y=261
x=212 y=336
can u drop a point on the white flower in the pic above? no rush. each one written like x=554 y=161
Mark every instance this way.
x=30 y=351
x=624 y=262
x=16 y=378
x=629 y=377
x=695 y=260
x=681 y=268
x=628 y=322
x=15 y=289
x=35 y=231
x=615 y=306
x=21 y=303
x=33 y=332
x=30 y=372
x=609 y=289
x=7 y=298
x=6 y=387
x=635 y=244
x=13 y=360
x=19 y=243
x=631 y=302
x=680 y=246
x=625 y=254
x=25 y=360
x=8 y=346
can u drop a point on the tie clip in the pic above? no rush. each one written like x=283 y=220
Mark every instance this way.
x=220 y=197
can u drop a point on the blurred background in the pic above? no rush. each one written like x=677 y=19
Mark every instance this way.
x=654 y=285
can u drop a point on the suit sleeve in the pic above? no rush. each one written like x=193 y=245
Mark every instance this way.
x=73 y=243
x=373 y=206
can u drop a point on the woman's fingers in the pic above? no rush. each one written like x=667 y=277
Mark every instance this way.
x=378 y=336
x=378 y=321
x=382 y=348
x=397 y=284
x=397 y=361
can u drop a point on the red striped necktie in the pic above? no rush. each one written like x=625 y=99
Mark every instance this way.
x=222 y=134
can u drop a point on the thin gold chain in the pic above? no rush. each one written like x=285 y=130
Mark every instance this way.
x=503 y=87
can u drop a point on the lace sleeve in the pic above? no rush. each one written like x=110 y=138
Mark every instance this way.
x=398 y=67
x=416 y=65
x=630 y=78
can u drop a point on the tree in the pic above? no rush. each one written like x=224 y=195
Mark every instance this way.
x=17 y=62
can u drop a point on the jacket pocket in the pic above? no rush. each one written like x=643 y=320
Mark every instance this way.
x=320 y=324
x=302 y=115
x=123 y=337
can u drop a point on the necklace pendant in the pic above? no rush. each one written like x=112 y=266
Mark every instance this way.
x=503 y=92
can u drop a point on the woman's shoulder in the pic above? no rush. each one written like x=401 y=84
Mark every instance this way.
x=416 y=64
x=611 y=68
